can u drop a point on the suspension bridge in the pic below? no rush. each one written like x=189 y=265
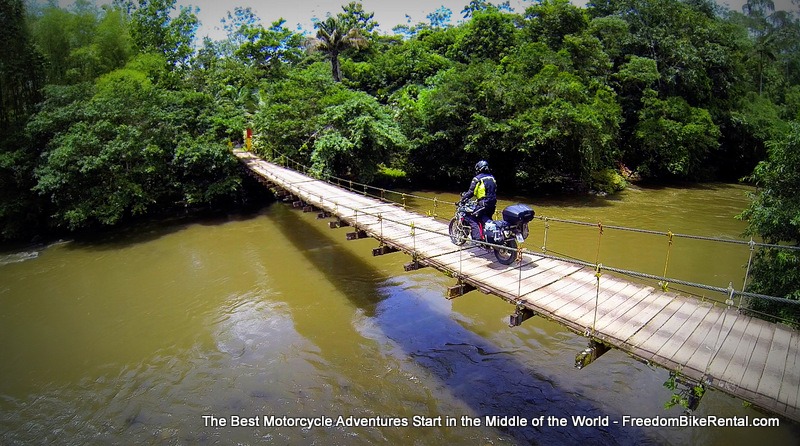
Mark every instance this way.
x=704 y=344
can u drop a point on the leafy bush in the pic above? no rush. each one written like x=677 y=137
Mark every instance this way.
x=608 y=181
x=774 y=215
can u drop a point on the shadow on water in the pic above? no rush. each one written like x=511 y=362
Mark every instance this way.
x=152 y=230
x=488 y=379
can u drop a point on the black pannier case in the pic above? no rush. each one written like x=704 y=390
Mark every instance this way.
x=517 y=213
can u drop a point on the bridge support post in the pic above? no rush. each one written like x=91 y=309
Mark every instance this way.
x=358 y=234
x=413 y=266
x=323 y=214
x=595 y=350
x=338 y=224
x=521 y=315
x=459 y=290
x=384 y=249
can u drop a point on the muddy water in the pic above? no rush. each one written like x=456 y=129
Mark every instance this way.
x=161 y=334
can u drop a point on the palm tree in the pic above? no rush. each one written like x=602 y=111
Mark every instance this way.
x=333 y=37
x=760 y=13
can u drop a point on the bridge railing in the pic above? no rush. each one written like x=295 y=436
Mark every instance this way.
x=730 y=296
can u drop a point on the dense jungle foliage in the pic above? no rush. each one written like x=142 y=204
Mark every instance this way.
x=117 y=111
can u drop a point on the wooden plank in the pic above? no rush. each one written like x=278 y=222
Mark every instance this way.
x=564 y=307
x=499 y=275
x=463 y=261
x=701 y=358
x=625 y=320
x=388 y=216
x=535 y=282
x=404 y=238
x=506 y=283
x=794 y=411
x=610 y=303
x=676 y=339
x=535 y=271
x=660 y=338
x=612 y=293
x=737 y=366
x=533 y=274
x=549 y=298
x=770 y=383
x=758 y=360
x=699 y=340
x=547 y=289
x=791 y=376
x=727 y=350
x=628 y=307
x=638 y=340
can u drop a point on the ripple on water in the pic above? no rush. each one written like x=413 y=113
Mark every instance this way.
x=18 y=257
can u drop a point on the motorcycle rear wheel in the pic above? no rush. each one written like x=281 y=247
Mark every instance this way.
x=508 y=253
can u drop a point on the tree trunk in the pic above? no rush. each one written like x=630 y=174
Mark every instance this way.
x=336 y=70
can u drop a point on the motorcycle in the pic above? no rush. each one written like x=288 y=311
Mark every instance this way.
x=502 y=236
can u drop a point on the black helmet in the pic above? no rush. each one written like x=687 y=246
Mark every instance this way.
x=482 y=166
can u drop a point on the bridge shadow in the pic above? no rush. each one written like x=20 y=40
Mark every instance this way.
x=489 y=379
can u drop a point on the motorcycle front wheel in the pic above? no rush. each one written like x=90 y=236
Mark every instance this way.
x=458 y=232
x=508 y=253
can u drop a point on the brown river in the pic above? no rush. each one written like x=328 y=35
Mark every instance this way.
x=202 y=332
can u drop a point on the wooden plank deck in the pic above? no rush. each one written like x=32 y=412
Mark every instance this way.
x=746 y=357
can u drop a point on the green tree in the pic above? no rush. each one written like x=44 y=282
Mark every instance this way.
x=269 y=49
x=753 y=123
x=290 y=119
x=774 y=215
x=548 y=129
x=474 y=6
x=126 y=147
x=21 y=66
x=567 y=132
x=154 y=30
x=82 y=43
x=52 y=37
x=21 y=80
x=333 y=37
x=551 y=20
x=614 y=33
x=231 y=83
x=235 y=22
x=409 y=63
x=353 y=16
x=490 y=34
x=359 y=135
x=440 y=18
x=319 y=122
x=694 y=50
x=674 y=138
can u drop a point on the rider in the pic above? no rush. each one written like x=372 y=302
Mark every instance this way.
x=484 y=189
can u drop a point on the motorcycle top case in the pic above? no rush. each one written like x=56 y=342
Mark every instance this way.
x=517 y=213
